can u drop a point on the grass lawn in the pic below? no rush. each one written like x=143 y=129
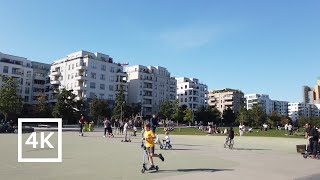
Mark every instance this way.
x=256 y=132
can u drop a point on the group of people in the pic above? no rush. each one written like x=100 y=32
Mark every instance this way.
x=148 y=134
x=7 y=126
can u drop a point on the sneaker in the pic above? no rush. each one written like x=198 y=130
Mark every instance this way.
x=104 y=136
x=161 y=157
x=152 y=167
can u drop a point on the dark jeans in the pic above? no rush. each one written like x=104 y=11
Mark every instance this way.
x=81 y=127
x=105 y=131
x=314 y=147
x=153 y=129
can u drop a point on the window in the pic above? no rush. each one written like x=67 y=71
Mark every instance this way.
x=92 y=94
x=181 y=100
x=102 y=86
x=28 y=82
x=26 y=98
x=72 y=66
x=185 y=100
x=112 y=69
x=185 y=86
x=77 y=64
x=102 y=77
x=93 y=75
x=21 y=81
x=101 y=96
x=110 y=88
x=5 y=69
x=103 y=67
x=28 y=73
x=71 y=76
x=111 y=78
x=27 y=90
x=69 y=66
x=93 y=65
x=92 y=85
x=110 y=97
x=141 y=77
x=140 y=93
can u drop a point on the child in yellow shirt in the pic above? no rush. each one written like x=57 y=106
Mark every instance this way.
x=149 y=137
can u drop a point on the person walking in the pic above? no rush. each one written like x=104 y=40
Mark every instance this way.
x=153 y=123
x=81 y=123
x=290 y=129
x=105 y=123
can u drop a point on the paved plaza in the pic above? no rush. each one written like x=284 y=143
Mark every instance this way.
x=193 y=157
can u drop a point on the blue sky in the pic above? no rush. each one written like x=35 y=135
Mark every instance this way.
x=266 y=46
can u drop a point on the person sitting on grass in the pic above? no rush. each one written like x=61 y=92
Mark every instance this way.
x=149 y=137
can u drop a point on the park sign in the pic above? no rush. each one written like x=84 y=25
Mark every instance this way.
x=42 y=145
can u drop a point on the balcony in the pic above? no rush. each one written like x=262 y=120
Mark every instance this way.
x=55 y=73
x=148 y=80
x=55 y=82
x=55 y=91
x=81 y=67
x=78 y=88
x=147 y=96
x=146 y=105
x=80 y=78
x=148 y=88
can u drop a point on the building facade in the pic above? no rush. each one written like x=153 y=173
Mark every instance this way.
x=259 y=99
x=150 y=86
x=192 y=93
x=226 y=98
x=281 y=107
x=29 y=75
x=88 y=75
x=316 y=93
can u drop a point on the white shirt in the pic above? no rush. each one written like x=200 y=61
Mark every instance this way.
x=125 y=126
x=167 y=138
x=290 y=127
x=135 y=128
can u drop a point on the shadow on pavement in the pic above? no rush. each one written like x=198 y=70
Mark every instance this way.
x=182 y=149
x=193 y=170
x=251 y=149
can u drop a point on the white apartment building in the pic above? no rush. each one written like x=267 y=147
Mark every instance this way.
x=261 y=99
x=192 y=93
x=281 y=107
x=226 y=98
x=150 y=86
x=298 y=109
x=88 y=74
x=30 y=75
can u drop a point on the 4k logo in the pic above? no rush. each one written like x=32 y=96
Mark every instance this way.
x=33 y=139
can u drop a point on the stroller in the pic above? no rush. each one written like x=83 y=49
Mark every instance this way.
x=146 y=160
x=307 y=152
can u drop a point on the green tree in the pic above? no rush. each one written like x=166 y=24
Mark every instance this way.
x=133 y=109
x=94 y=109
x=188 y=115
x=274 y=119
x=208 y=114
x=65 y=106
x=99 y=109
x=166 y=109
x=120 y=104
x=229 y=117
x=242 y=116
x=10 y=101
x=42 y=108
x=179 y=112
x=258 y=115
